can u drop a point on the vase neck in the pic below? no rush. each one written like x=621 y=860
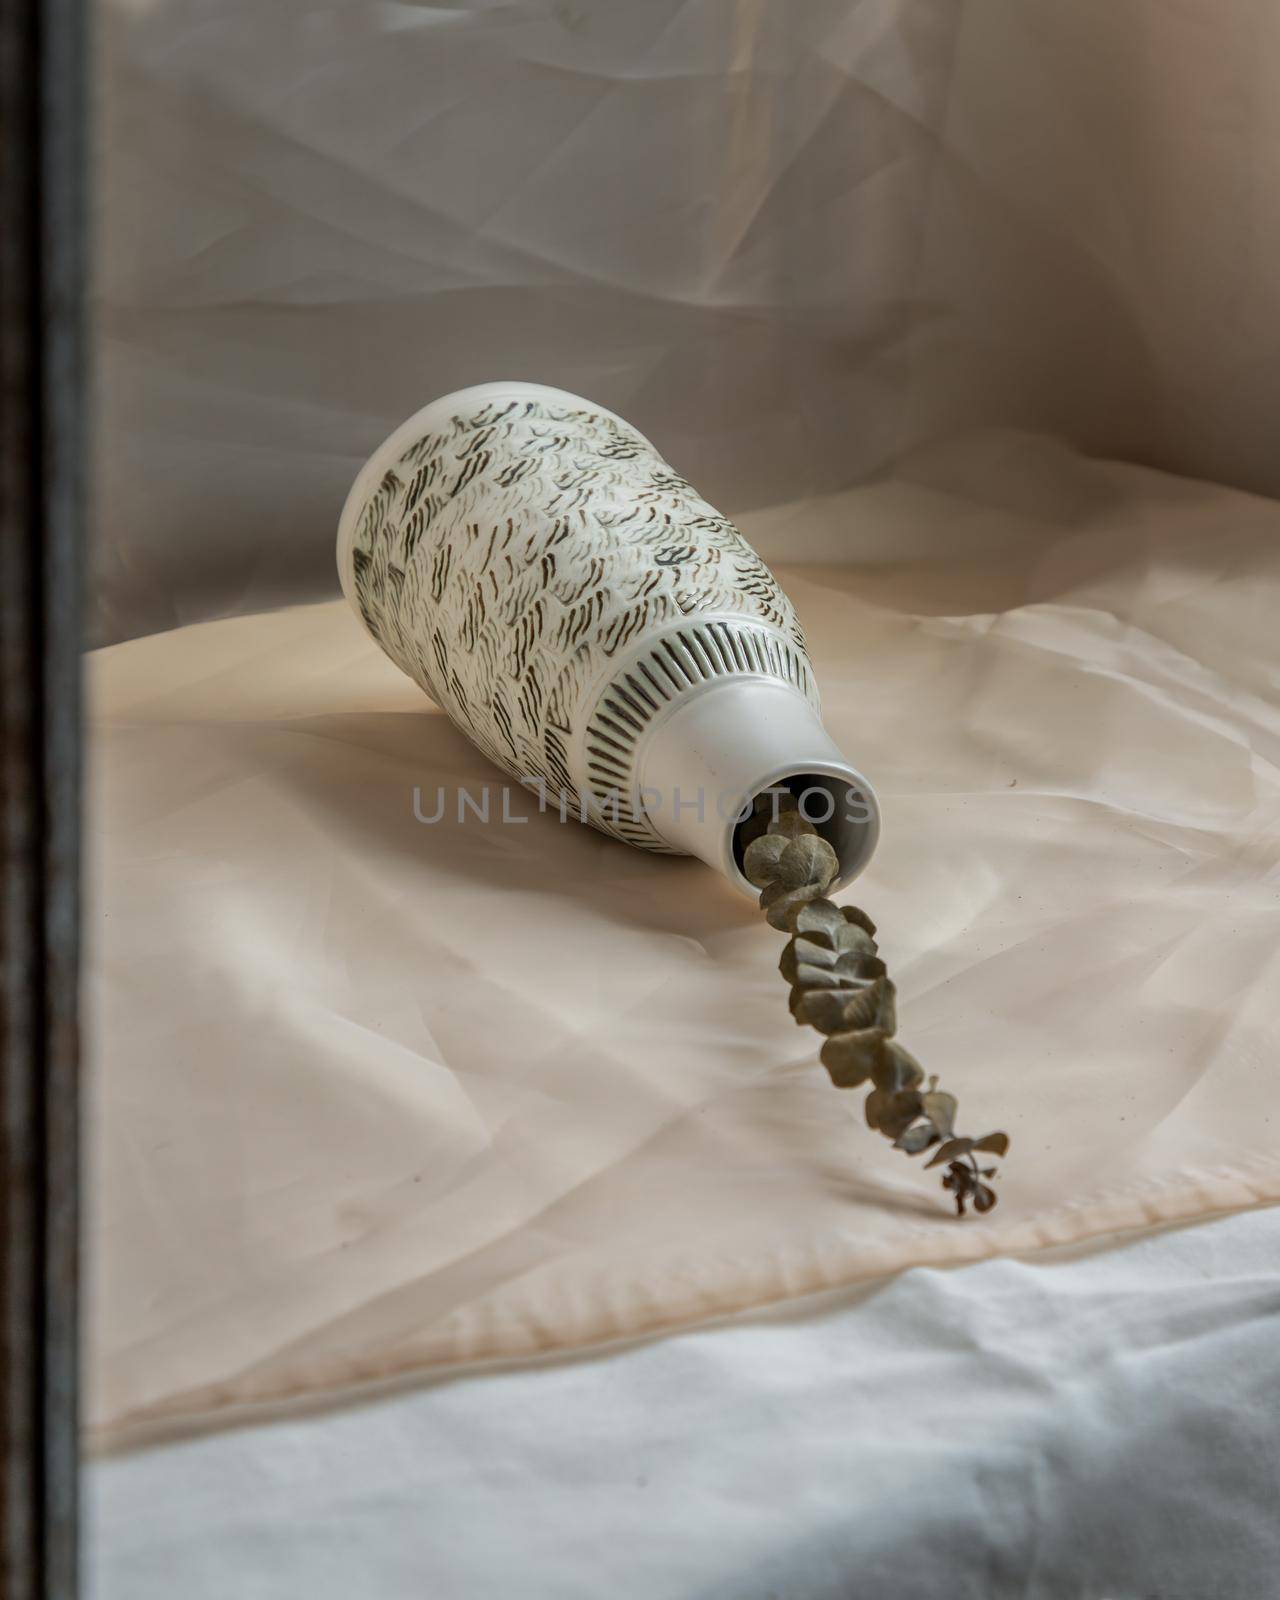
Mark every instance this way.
x=738 y=738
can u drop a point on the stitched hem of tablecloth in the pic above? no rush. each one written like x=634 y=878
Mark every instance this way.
x=672 y=1300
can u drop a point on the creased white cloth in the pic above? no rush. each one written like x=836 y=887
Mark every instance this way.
x=373 y=1096
x=1098 y=1427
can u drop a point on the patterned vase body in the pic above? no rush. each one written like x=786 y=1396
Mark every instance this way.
x=594 y=626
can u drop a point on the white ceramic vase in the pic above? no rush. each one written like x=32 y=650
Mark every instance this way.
x=594 y=626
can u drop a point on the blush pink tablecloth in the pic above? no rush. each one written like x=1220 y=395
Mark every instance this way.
x=371 y=1096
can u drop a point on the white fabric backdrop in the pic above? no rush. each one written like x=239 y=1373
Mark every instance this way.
x=788 y=242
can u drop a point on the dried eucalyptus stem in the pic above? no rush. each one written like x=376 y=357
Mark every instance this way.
x=839 y=985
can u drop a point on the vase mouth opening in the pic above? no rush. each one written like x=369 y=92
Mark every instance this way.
x=840 y=805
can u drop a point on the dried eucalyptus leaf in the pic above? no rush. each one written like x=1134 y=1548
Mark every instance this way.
x=851 y=1057
x=825 y=923
x=821 y=921
x=811 y=951
x=788 y=962
x=792 y=825
x=760 y=860
x=822 y=1009
x=899 y=1112
x=809 y=977
x=855 y=971
x=898 y=1069
x=865 y=1006
x=888 y=1016
x=859 y=919
x=940 y=1108
x=806 y=860
x=952 y=1149
x=780 y=904
x=807 y=952
x=849 y=939
x=839 y=985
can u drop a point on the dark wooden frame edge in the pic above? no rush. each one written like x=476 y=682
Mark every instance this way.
x=42 y=117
